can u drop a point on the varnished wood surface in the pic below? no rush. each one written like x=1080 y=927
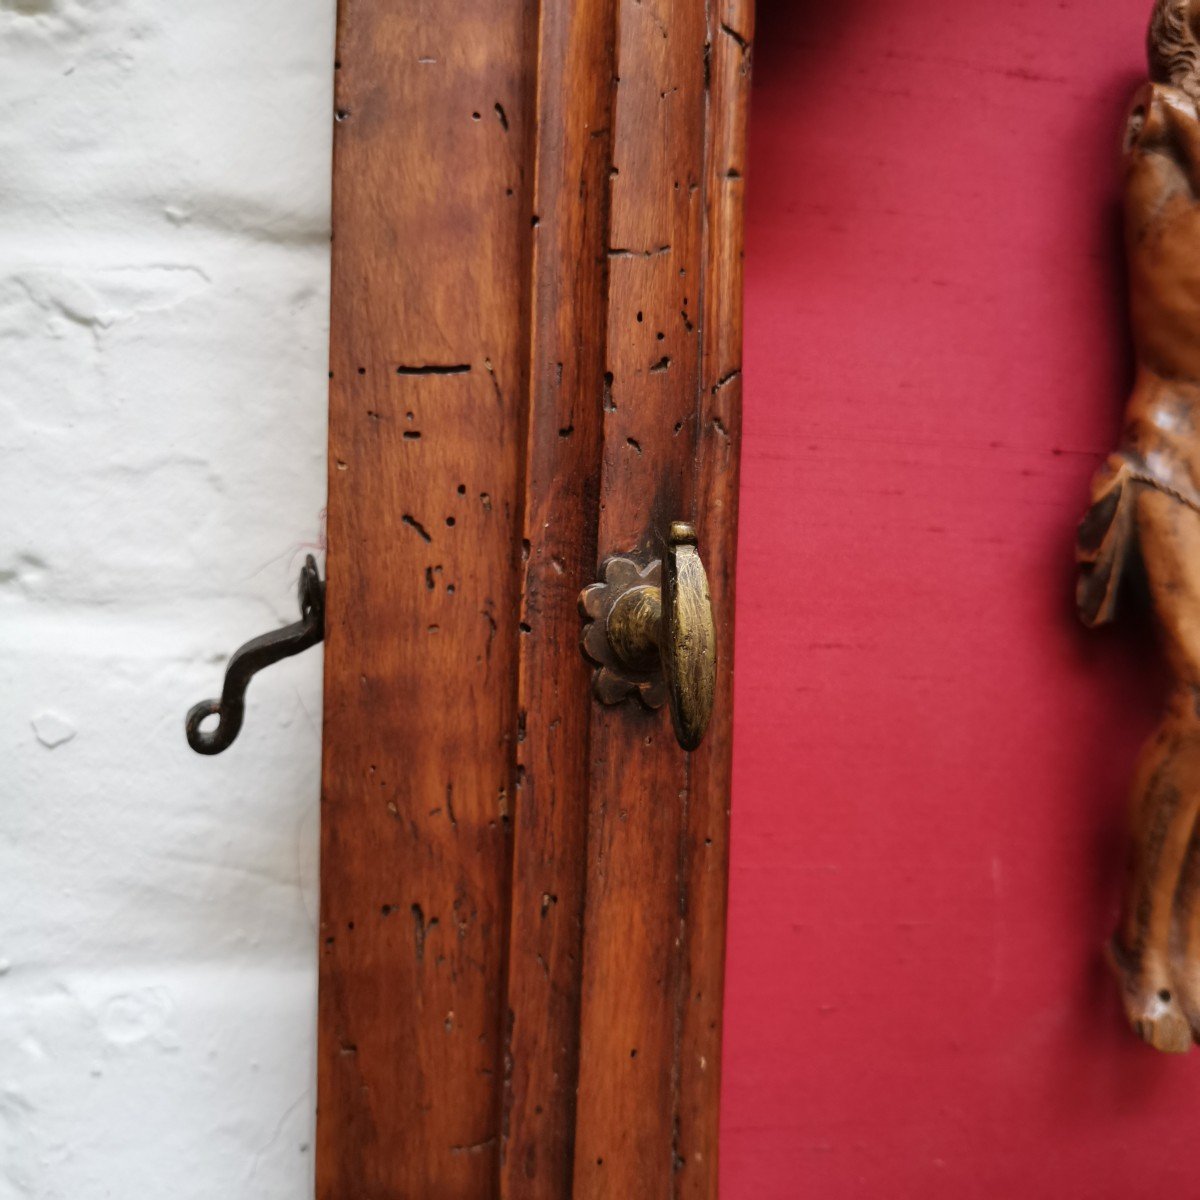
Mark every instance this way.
x=569 y=267
x=706 y=848
x=537 y=256
x=638 y=793
x=1147 y=507
x=428 y=361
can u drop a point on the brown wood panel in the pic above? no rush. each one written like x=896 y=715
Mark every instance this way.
x=730 y=34
x=535 y=353
x=428 y=357
x=569 y=313
x=638 y=796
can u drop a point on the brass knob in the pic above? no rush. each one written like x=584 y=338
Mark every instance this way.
x=650 y=632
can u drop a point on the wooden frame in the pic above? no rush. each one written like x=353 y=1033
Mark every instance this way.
x=535 y=363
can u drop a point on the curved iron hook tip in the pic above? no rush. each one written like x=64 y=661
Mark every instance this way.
x=255 y=655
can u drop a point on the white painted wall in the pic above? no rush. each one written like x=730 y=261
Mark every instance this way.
x=164 y=179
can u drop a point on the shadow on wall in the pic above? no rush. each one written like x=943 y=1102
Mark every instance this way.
x=788 y=31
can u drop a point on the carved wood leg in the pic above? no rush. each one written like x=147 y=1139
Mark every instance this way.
x=1185 y=937
x=1163 y=815
x=1159 y=989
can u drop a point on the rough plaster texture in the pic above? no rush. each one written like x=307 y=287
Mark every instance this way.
x=164 y=181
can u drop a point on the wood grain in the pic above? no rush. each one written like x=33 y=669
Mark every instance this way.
x=706 y=858
x=562 y=495
x=638 y=797
x=428 y=358
x=535 y=345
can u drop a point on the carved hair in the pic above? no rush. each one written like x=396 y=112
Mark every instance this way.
x=1173 y=46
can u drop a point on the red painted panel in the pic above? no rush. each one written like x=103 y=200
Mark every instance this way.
x=931 y=758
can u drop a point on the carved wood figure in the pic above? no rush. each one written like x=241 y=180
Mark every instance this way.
x=1146 y=505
